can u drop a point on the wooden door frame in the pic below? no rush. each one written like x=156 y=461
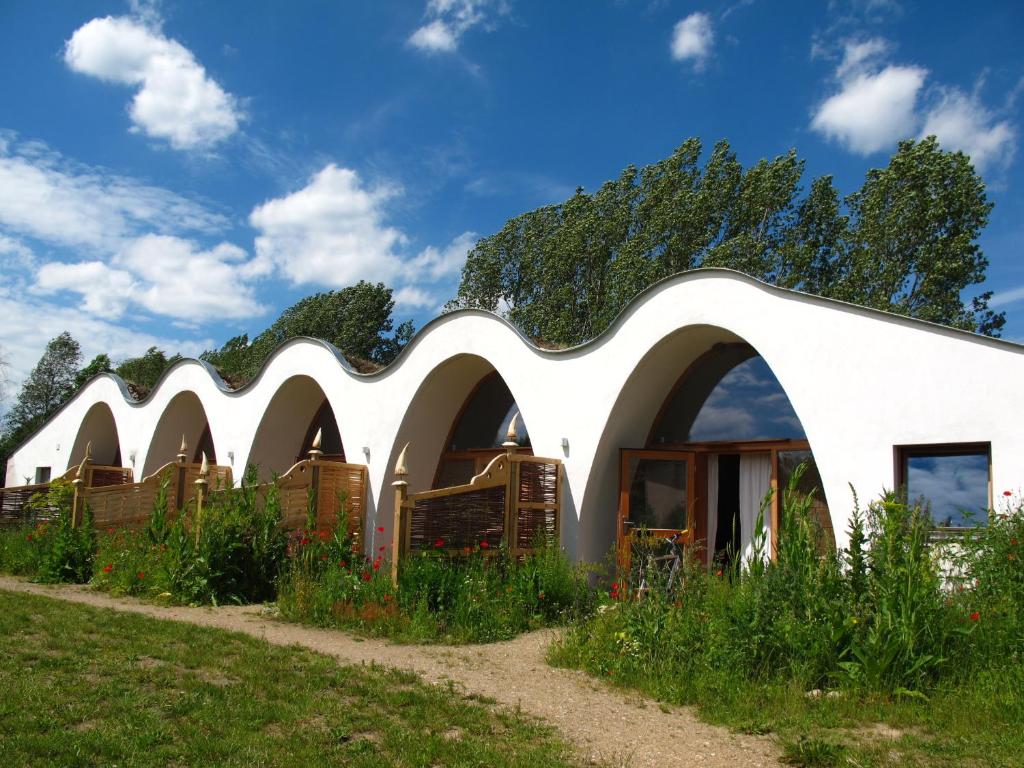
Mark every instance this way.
x=625 y=454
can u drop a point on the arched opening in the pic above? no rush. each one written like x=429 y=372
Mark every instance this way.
x=285 y=434
x=185 y=417
x=478 y=432
x=724 y=444
x=99 y=429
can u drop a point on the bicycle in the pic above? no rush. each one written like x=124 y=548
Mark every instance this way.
x=650 y=568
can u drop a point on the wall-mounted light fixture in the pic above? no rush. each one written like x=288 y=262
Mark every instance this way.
x=565 y=443
x=366 y=452
x=231 y=457
x=131 y=456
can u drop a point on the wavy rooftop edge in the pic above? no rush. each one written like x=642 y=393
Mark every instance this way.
x=616 y=324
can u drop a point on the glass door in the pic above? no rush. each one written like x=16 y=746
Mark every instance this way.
x=655 y=495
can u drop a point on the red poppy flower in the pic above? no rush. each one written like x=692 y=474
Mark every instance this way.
x=141 y=574
x=975 y=616
x=718 y=573
x=1013 y=542
x=381 y=548
x=29 y=537
x=1007 y=493
x=484 y=545
x=325 y=535
x=380 y=529
x=376 y=565
x=540 y=596
x=439 y=543
x=387 y=598
x=304 y=542
x=1011 y=556
x=108 y=567
x=342 y=564
x=367 y=576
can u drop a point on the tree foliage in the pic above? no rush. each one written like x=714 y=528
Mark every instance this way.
x=905 y=242
x=357 y=320
x=144 y=371
x=47 y=388
x=99 y=364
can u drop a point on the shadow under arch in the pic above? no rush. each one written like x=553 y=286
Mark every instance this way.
x=463 y=399
x=99 y=428
x=671 y=385
x=285 y=433
x=183 y=416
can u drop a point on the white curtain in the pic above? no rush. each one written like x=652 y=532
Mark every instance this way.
x=712 y=505
x=755 y=481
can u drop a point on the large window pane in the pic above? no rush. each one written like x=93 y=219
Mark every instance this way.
x=657 y=493
x=953 y=487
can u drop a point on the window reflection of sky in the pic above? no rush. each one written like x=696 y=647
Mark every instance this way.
x=747 y=404
x=951 y=486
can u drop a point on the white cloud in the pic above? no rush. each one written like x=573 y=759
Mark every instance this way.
x=30 y=322
x=330 y=232
x=410 y=297
x=15 y=255
x=449 y=20
x=165 y=276
x=879 y=103
x=962 y=122
x=692 y=39
x=44 y=196
x=872 y=111
x=1003 y=298
x=436 y=264
x=176 y=100
x=435 y=36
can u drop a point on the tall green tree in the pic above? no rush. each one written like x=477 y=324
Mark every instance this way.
x=49 y=385
x=356 y=319
x=905 y=242
x=99 y=364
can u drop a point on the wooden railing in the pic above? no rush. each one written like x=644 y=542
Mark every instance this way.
x=325 y=485
x=515 y=501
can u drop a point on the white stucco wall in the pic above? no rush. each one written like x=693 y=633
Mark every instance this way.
x=860 y=381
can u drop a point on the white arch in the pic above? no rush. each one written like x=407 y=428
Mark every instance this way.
x=184 y=416
x=98 y=432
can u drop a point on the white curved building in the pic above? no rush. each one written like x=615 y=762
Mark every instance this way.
x=702 y=395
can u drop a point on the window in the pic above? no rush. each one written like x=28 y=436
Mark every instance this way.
x=42 y=475
x=951 y=481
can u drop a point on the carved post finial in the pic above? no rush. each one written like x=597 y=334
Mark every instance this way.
x=183 y=451
x=80 y=473
x=204 y=468
x=78 y=483
x=401 y=466
x=512 y=438
x=314 y=449
x=88 y=451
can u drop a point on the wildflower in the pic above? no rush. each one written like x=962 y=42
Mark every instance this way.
x=975 y=616
x=540 y=596
x=376 y=565
x=1013 y=542
x=342 y=564
x=325 y=535
x=484 y=545
x=380 y=529
x=381 y=548
x=29 y=537
x=323 y=557
x=1007 y=493
x=304 y=542
x=718 y=573
x=439 y=543
x=387 y=598
x=366 y=576
x=108 y=567
x=1011 y=556
x=141 y=575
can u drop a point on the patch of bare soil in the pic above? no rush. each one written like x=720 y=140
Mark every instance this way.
x=605 y=725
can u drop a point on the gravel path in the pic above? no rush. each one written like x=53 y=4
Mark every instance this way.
x=605 y=725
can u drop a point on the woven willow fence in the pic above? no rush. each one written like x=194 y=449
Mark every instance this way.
x=515 y=501
x=326 y=485
x=14 y=500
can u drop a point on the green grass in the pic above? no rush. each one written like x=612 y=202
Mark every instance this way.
x=83 y=686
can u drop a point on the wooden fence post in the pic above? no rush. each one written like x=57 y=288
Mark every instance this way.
x=511 y=445
x=204 y=470
x=314 y=457
x=179 y=496
x=77 y=483
x=398 y=526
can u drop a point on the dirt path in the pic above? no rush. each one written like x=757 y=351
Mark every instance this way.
x=605 y=725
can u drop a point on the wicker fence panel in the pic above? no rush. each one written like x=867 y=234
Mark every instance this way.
x=537 y=503
x=13 y=511
x=122 y=506
x=459 y=520
x=100 y=477
x=341 y=483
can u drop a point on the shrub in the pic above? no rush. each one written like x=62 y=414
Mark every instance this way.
x=478 y=597
x=232 y=552
x=52 y=551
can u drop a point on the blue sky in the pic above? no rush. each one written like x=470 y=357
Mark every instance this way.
x=177 y=173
